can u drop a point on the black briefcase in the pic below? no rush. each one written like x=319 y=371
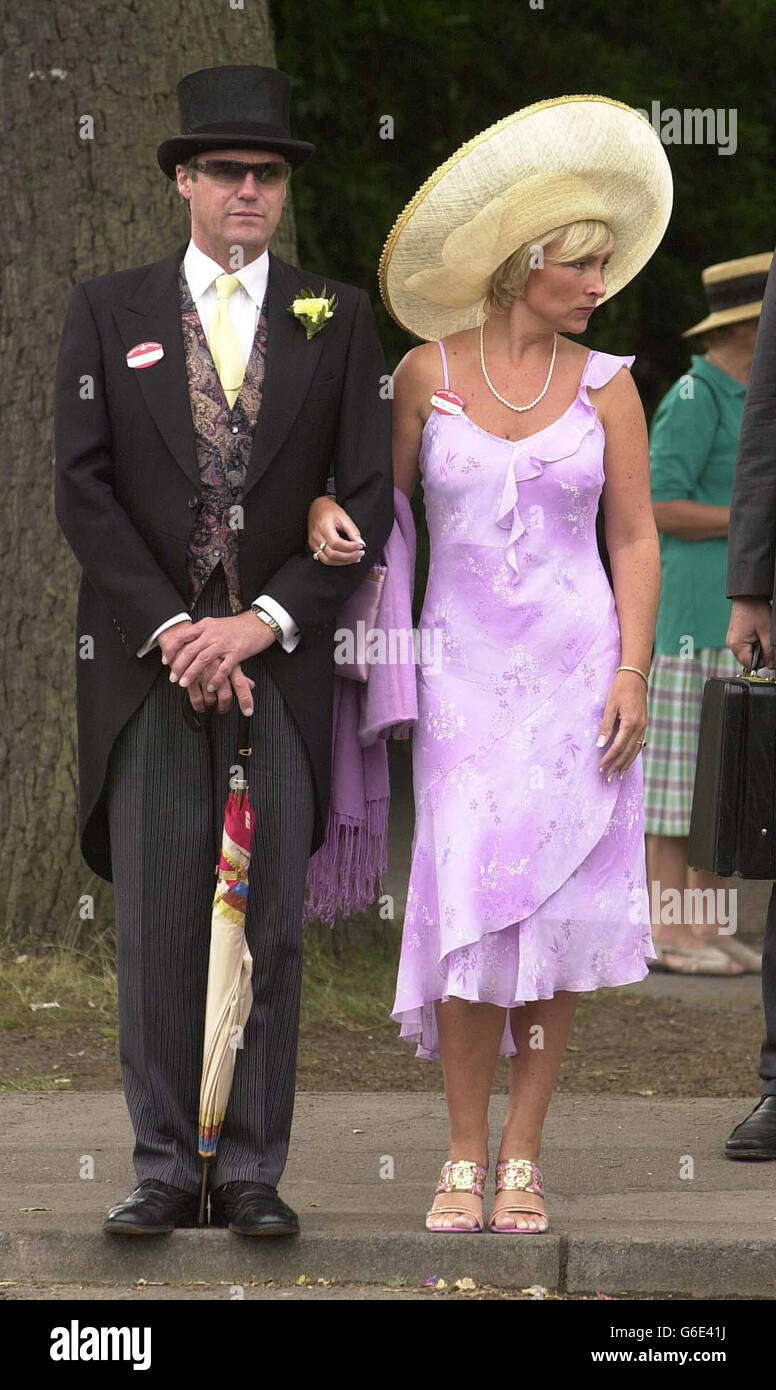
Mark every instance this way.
x=733 y=815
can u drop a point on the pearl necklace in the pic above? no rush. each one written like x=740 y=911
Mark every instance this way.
x=544 y=389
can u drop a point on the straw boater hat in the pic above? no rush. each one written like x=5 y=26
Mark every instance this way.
x=551 y=163
x=734 y=291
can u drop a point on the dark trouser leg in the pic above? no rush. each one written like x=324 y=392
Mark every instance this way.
x=163 y=851
x=167 y=788
x=768 y=1050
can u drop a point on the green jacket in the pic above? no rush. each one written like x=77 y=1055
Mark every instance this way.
x=693 y=441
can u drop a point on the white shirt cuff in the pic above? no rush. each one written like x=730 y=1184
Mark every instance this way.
x=291 y=633
x=152 y=642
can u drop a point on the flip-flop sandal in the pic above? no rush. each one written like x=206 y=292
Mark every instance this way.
x=709 y=960
x=519 y=1175
x=459 y=1176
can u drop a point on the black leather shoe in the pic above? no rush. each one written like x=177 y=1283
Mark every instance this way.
x=755 y=1137
x=252 y=1209
x=153 y=1209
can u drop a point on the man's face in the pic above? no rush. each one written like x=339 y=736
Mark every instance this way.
x=229 y=216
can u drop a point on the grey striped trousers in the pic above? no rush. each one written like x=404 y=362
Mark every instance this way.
x=166 y=791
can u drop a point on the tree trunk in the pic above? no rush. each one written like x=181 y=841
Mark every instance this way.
x=75 y=207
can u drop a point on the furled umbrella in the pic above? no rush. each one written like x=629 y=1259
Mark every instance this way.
x=229 y=993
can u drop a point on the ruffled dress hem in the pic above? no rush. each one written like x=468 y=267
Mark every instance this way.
x=417 y=1020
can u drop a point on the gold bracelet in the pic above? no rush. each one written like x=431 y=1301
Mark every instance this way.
x=636 y=669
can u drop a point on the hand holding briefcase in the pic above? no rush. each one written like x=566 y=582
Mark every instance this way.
x=733 y=817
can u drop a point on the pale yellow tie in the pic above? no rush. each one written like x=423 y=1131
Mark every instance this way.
x=223 y=343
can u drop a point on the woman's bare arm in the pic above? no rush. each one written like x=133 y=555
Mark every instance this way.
x=631 y=536
x=413 y=382
x=691 y=521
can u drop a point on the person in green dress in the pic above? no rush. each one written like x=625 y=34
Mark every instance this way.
x=693 y=442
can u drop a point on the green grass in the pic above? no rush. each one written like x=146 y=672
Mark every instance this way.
x=32 y=1082
x=344 y=985
x=82 y=983
x=353 y=987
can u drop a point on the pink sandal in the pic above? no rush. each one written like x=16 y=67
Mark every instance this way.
x=519 y=1175
x=459 y=1176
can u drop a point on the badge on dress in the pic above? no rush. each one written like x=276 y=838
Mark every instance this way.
x=144 y=354
x=447 y=402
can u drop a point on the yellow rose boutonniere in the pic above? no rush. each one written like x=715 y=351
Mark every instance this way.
x=313 y=310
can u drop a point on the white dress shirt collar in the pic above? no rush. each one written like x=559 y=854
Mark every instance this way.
x=201 y=271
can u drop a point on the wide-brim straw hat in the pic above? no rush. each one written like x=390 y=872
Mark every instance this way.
x=734 y=291
x=549 y=164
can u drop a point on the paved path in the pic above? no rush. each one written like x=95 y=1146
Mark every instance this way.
x=624 y=1219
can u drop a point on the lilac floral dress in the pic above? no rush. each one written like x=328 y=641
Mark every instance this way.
x=528 y=870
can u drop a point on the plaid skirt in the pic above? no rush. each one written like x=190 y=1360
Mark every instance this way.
x=673 y=718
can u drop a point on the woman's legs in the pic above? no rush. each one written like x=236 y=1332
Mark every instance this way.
x=469 y=1037
x=667 y=867
x=540 y=1030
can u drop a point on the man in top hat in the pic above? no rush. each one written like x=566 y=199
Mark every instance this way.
x=750 y=584
x=197 y=416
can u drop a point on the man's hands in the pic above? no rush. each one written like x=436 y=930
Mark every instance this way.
x=204 y=657
x=326 y=521
x=750 y=620
x=241 y=684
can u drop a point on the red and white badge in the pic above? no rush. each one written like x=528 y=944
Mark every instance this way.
x=447 y=402
x=144 y=354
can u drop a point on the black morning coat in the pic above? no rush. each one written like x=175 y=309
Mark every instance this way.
x=127 y=489
x=751 y=542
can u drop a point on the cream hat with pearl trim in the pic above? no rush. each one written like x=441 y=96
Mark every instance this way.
x=555 y=162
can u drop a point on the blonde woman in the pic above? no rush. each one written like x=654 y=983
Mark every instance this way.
x=528 y=882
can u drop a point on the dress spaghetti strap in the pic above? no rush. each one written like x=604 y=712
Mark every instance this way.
x=441 y=347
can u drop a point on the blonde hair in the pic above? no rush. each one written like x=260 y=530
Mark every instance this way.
x=577 y=240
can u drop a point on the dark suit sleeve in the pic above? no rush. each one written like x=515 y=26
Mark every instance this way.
x=363 y=473
x=752 y=531
x=112 y=554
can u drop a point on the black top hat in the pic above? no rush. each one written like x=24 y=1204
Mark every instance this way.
x=243 y=107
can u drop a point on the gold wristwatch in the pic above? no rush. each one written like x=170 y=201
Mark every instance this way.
x=268 y=619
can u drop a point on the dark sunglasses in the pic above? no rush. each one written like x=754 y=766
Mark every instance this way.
x=231 y=172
